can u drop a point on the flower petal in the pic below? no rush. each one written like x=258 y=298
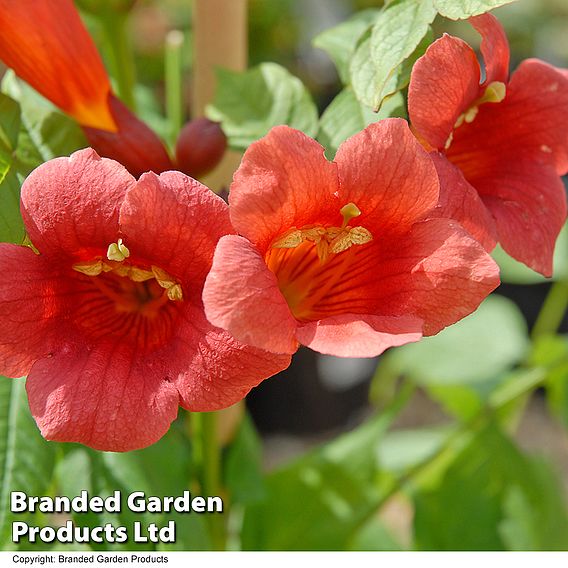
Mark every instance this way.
x=104 y=396
x=71 y=205
x=134 y=145
x=443 y=84
x=30 y=292
x=529 y=124
x=359 y=335
x=494 y=47
x=174 y=221
x=460 y=201
x=241 y=295
x=388 y=175
x=528 y=202
x=48 y=46
x=217 y=370
x=437 y=273
x=283 y=181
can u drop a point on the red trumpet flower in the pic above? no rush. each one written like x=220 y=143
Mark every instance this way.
x=499 y=146
x=341 y=256
x=107 y=319
x=47 y=45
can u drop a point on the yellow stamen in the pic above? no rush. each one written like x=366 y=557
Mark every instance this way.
x=349 y=212
x=139 y=274
x=167 y=282
x=290 y=239
x=350 y=237
x=494 y=93
x=90 y=268
x=175 y=293
x=118 y=251
x=330 y=240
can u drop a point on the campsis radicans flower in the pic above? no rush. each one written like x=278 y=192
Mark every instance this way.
x=47 y=45
x=500 y=146
x=341 y=256
x=104 y=311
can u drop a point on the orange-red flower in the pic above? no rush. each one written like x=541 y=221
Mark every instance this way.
x=341 y=256
x=107 y=317
x=47 y=45
x=499 y=145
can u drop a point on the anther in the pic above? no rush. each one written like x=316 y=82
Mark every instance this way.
x=118 y=251
x=348 y=212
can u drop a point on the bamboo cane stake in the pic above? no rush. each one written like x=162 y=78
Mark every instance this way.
x=220 y=40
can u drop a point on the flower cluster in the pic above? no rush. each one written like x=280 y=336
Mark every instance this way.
x=141 y=295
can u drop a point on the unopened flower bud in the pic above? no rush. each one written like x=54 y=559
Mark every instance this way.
x=200 y=147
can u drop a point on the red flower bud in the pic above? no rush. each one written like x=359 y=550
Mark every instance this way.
x=200 y=147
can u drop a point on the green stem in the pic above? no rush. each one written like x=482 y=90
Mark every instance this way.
x=552 y=311
x=115 y=27
x=174 y=81
x=208 y=460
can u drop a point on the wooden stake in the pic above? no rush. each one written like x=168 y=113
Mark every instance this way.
x=220 y=40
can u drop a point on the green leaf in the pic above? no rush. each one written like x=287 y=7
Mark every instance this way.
x=9 y=125
x=163 y=469
x=536 y=518
x=341 y=41
x=515 y=272
x=26 y=459
x=398 y=33
x=460 y=9
x=551 y=352
x=249 y=104
x=476 y=349
x=345 y=116
x=400 y=450
x=472 y=508
x=374 y=536
x=317 y=502
x=465 y=364
x=45 y=133
x=11 y=223
x=243 y=474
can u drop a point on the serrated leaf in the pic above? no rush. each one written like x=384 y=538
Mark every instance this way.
x=345 y=116
x=397 y=34
x=460 y=9
x=249 y=104
x=367 y=78
x=26 y=459
x=341 y=41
